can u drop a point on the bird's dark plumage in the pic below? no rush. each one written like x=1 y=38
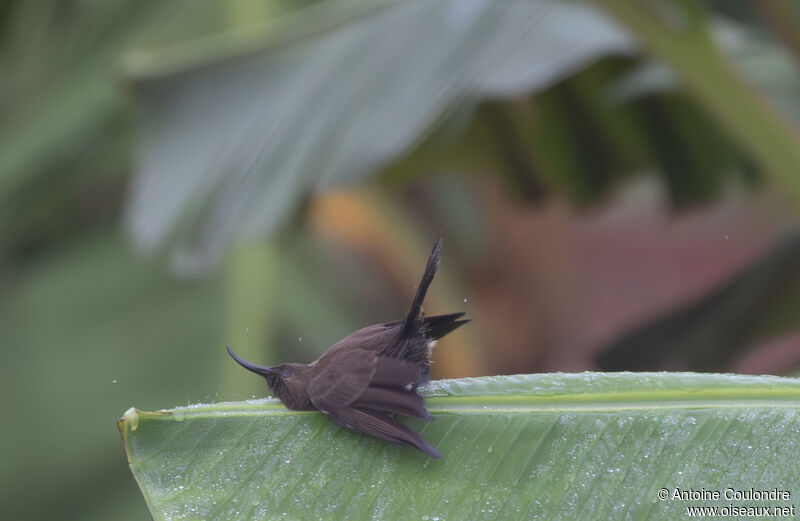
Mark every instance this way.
x=364 y=380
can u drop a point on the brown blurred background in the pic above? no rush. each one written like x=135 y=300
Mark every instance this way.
x=617 y=186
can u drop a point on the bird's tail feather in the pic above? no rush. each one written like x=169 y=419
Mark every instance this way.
x=416 y=305
x=437 y=326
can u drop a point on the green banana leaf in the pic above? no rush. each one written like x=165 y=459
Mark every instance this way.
x=549 y=446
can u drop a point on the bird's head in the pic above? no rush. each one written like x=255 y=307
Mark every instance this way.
x=289 y=382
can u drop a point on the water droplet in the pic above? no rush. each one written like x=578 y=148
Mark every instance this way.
x=490 y=450
x=114 y=381
x=465 y=300
x=177 y=416
x=299 y=339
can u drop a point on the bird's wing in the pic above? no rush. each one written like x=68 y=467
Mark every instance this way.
x=362 y=391
x=384 y=427
x=342 y=379
x=396 y=373
x=363 y=379
x=393 y=401
x=393 y=389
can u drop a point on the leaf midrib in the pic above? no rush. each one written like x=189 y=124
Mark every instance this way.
x=523 y=403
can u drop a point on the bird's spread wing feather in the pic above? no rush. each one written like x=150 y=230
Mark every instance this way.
x=394 y=401
x=363 y=391
x=383 y=427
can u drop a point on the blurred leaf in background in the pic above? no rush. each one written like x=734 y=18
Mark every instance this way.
x=348 y=89
x=287 y=166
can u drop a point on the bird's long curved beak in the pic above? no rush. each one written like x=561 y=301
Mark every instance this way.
x=258 y=369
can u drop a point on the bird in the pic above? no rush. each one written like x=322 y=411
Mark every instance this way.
x=366 y=379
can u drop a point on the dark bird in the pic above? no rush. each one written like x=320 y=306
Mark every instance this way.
x=367 y=378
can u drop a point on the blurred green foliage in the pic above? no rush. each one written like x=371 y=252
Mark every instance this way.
x=88 y=329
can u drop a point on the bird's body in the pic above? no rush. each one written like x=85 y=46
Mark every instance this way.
x=368 y=377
